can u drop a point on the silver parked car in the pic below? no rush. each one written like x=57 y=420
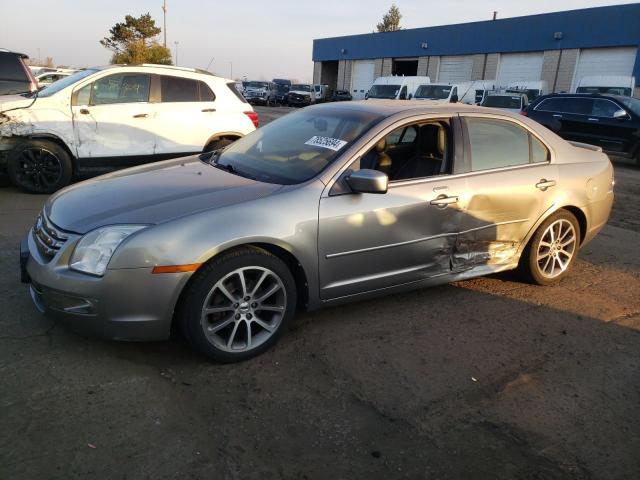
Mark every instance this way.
x=334 y=203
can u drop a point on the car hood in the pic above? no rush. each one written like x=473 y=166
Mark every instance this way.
x=150 y=194
x=8 y=102
x=300 y=92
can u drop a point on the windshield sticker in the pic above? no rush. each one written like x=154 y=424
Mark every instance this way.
x=326 y=142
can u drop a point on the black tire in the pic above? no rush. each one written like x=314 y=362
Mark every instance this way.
x=39 y=166
x=217 y=145
x=531 y=267
x=202 y=291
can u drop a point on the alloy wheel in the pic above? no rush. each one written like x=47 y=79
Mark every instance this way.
x=39 y=168
x=556 y=248
x=244 y=309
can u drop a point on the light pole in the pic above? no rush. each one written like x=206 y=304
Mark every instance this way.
x=210 y=62
x=231 y=70
x=164 y=10
x=176 y=44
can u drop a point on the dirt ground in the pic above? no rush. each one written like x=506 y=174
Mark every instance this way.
x=482 y=379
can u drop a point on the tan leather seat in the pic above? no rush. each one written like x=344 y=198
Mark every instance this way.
x=384 y=160
x=428 y=160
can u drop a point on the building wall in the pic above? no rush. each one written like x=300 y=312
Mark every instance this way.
x=434 y=66
x=566 y=70
x=344 y=74
x=550 y=64
x=378 y=68
x=491 y=68
x=478 y=66
x=317 y=71
x=558 y=67
x=387 y=67
x=423 y=64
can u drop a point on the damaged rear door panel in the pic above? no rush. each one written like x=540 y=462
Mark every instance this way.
x=505 y=195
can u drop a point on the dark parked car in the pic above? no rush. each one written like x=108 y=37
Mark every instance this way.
x=608 y=121
x=341 y=96
x=15 y=76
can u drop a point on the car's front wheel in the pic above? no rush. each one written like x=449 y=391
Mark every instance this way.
x=39 y=166
x=238 y=305
x=553 y=249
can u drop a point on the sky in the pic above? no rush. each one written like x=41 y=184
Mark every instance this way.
x=257 y=39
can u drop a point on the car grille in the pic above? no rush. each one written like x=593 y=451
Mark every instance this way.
x=49 y=238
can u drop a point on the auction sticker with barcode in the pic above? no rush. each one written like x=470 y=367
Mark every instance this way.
x=326 y=142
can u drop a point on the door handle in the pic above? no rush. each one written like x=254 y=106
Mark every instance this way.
x=543 y=184
x=591 y=119
x=84 y=111
x=557 y=115
x=141 y=115
x=208 y=110
x=442 y=201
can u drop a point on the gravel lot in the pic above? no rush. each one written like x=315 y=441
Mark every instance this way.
x=489 y=378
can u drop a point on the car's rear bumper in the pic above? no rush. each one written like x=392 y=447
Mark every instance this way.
x=124 y=304
x=598 y=214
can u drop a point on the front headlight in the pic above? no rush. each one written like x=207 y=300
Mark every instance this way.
x=94 y=250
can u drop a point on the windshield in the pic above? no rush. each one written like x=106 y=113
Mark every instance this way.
x=298 y=146
x=611 y=90
x=632 y=104
x=282 y=88
x=384 y=91
x=433 y=92
x=300 y=87
x=502 y=101
x=65 y=82
x=257 y=85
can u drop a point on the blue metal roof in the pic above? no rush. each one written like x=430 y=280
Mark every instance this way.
x=586 y=28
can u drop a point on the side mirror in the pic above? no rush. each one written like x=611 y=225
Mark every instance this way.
x=366 y=95
x=454 y=99
x=368 y=181
x=410 y=96
x=620 y=115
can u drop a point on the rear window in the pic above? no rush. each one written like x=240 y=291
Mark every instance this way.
x=580 y=106
x=11 y=69
x=232 y=86
x=502 y=102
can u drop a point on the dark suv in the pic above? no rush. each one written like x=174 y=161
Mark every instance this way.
x=608 y=121
x=15 y=76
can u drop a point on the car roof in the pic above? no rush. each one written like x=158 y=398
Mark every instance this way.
x=151 y=66
x=419 y=107
x=21 y=55
x=585 y=95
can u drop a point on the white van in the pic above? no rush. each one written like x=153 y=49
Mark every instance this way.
x=396 y=88
x=532 y=88
x=614 y=84
x=442 y=92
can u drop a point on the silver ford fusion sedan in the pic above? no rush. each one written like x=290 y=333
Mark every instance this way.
x=334 y=203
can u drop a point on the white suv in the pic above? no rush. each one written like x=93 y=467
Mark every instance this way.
x=111 y=117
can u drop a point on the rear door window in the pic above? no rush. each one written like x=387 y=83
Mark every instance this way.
x=177 y=89
x=496 y=144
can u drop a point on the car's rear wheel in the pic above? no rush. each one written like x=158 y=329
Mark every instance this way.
x=238 y=305
x=39 y=166
x=553 y=249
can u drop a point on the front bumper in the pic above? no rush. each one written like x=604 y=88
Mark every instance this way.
x=125 y=304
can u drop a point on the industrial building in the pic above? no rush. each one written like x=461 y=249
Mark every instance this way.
x=559 y=48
